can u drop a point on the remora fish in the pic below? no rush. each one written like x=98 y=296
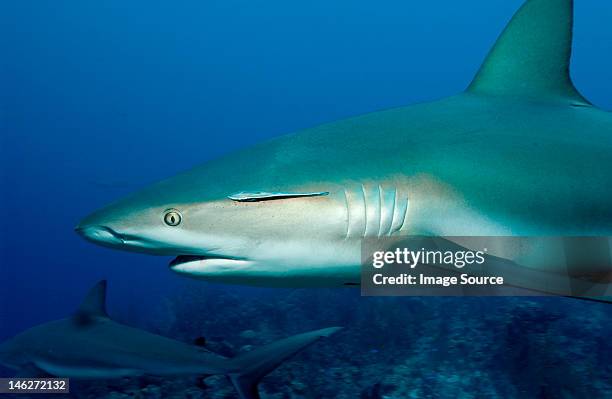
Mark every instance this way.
x=520 y=153
x=90 y=345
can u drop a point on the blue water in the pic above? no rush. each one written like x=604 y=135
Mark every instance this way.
x=100 y=99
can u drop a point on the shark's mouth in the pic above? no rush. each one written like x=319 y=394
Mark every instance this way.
x=181 y=259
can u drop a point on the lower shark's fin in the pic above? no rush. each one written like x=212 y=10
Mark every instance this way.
x=252 y=366
x=94 y=305
x=531 y=58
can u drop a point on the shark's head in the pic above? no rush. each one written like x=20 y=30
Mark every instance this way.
x=220 y=229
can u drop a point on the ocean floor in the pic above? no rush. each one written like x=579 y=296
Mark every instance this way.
x=390 y=347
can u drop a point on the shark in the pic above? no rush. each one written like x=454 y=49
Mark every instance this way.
x=90 y=345
x=520 y=152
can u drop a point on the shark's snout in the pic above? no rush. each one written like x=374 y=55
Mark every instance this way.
x=100 y=235
x=106 y=228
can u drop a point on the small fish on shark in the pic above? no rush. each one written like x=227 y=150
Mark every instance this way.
x=90 y=345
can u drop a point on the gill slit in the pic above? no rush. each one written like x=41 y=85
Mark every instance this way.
x=393 y=211
x=405 y=213
x=348 y=215
x=365 y=209
x=380 y=210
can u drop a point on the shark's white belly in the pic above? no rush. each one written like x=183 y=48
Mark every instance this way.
x=85 y=371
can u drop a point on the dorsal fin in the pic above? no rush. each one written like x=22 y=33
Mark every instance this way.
x=94 y=304
x=531 y=58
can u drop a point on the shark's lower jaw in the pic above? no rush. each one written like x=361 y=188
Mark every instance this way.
x=265 y=272
x=205 y=265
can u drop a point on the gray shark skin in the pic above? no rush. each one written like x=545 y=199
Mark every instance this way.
x=89 y=345
x=519 y=153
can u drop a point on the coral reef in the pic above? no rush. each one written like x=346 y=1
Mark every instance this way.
x=390 y=348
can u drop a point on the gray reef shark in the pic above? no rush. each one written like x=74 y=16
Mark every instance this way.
x=519 y=153
x=89 y=345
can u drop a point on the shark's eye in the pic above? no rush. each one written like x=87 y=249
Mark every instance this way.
x=172 y=217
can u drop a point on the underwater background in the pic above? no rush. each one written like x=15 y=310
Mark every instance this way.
x=98 y=99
